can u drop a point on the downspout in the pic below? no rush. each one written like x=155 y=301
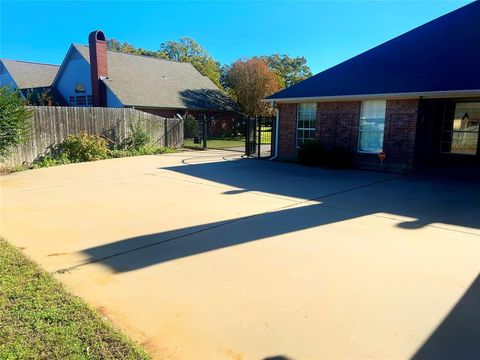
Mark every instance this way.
x=277 y=123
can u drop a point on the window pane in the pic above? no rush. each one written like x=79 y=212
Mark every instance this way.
x=372 y=125
x=306 y=122
x=371 y=141
x=460 y=134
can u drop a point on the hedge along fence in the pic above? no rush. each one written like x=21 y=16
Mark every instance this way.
x=52 y=124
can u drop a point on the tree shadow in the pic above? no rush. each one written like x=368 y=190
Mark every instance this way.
x=144 y=250
x=334 y=195
x=458 y=336
x=207 y=99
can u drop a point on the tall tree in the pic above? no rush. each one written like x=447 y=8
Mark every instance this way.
x=15 y=120
x=289 y=70
x=188 y=50
x=251 y=81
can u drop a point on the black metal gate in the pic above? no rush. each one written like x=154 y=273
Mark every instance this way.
x=259 y=140
x=252 y=136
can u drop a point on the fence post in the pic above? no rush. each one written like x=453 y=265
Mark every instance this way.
x=259 y=129
x=204 y=130
x=165 y=132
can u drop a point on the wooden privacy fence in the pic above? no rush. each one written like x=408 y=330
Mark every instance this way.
x=52 y=124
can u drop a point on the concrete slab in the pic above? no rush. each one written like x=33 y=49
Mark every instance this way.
x=207 y=256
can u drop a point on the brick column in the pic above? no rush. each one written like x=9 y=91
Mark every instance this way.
x=400 y=132
x=287 y=131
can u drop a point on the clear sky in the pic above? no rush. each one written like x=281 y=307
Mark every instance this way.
x=325 y=32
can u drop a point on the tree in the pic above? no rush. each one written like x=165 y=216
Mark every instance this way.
x=188 y=50
x=251 y=81
x=14 y=120
x=289 y=70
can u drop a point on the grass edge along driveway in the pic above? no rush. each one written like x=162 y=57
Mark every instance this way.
x=39 y=319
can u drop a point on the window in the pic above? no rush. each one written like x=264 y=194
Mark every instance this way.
x=460 y=134
x=79 y=88
x=372 y=125
x=306 y=119
x=72 y=100
x=90 y=100
x=81 y=100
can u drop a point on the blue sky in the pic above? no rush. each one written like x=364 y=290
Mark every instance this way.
x=325 y=32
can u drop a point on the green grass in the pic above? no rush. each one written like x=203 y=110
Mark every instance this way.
x=40 y=320
x=218 y=143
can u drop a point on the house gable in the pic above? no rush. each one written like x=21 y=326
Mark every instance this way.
x=5 y=78
x=73 y=76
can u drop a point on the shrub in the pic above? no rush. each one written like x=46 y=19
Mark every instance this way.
x=310 y=153
x=50 y=160
x=14 y=120
x=190 y=127
x=138 y=137
x=84 y=147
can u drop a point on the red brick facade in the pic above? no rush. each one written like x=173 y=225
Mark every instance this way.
x=337 y=127
x=97 y=45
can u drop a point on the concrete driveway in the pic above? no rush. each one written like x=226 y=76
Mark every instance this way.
x=203 y=255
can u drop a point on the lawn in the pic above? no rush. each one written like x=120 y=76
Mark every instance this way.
x=39 y=319
x=218 y=143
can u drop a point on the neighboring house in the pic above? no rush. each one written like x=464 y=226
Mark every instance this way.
x=415 y=97
x=94 y=76
x=28 y=77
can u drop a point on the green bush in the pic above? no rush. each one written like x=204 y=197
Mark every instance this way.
x=138 y=138
x=84 y=147
x=15 y=120
x=49 y=160
x=191 y=128
x=310 y=153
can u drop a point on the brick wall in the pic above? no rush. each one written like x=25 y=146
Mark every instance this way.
x=337 y=126
x=400 y=131
x=287 y=131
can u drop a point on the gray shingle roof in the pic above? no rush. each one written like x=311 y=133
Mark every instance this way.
x=442 y=55
x=144 y=81
x=29 y=74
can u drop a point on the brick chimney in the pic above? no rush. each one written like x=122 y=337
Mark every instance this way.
x=97 y=44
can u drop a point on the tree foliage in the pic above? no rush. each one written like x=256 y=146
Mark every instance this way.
x=251 y=81
x=184 y=50
x=14 y=120
x=289 y=70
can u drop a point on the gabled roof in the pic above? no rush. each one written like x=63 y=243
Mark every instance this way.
x=440 y=56
x=29 y=75
x=144 y=81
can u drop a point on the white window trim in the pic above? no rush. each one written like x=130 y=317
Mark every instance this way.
x=297 y=128
x=374 y=152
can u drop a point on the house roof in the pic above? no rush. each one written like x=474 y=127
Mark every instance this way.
x=144 y=81
x=29 y=75
x=440 y=56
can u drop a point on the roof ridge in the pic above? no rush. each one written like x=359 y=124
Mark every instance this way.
x=140 y=55
x=29 y=62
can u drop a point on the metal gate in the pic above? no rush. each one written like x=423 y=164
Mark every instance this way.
x=258 y=142
x=251 y=136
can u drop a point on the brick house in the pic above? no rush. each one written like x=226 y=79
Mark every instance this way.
x=415 y=97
